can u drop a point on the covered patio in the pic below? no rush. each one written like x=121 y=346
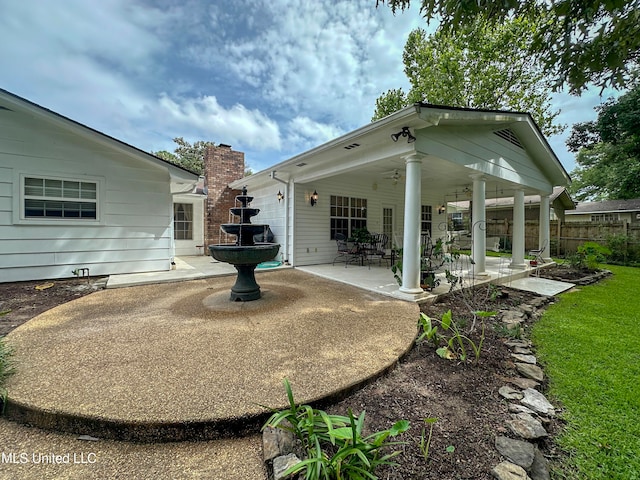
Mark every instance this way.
x=398 y=175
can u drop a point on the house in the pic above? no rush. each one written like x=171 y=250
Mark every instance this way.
x=394 y=175
x=608 y=211
x=74 y=198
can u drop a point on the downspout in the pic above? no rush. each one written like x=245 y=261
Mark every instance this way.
x=286 y=215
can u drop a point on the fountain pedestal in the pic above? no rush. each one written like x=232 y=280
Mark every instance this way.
x=244 y=255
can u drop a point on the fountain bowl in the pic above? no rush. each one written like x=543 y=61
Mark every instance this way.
x=244 y=254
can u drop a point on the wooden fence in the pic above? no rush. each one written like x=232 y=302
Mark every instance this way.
x=565 y=237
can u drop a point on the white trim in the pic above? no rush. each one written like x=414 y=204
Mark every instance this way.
x=19 y=217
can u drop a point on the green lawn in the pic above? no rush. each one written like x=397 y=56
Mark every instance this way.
x=589 y=344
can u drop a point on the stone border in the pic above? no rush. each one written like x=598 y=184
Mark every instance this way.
x=530 y=410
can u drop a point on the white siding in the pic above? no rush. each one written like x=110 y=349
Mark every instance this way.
x=132 y=233
x=312 y=224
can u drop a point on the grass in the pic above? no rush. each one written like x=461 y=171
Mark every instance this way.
x=589 y=343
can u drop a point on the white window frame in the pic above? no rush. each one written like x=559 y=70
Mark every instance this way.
x=20 y=196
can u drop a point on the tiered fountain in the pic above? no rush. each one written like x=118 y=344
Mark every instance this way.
x=245 y=254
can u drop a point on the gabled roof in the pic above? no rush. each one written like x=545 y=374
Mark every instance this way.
x=369 y=146
x=10 y=102
x=607 y=206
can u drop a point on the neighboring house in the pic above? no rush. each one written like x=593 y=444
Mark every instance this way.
x=608 y=211
x=72 y=197
x=498 y=209
x=393 y=175
x=500 y=215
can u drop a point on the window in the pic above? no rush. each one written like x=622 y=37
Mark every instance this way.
x=605 y=217
x=58 y=198
x=347 y=215
x=425 y=219
x=183 y=221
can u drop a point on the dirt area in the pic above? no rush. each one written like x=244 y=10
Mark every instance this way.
x=21 y=301
x=462 y=396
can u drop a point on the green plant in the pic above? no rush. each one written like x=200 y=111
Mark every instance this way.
x=588 y=256
x=452 y=336
x=334 y=446
x=426 y=442
x=7 y=368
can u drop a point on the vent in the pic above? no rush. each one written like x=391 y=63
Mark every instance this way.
x=5 y=108
x=300 y=164
x=508 y=135
x=353 y=145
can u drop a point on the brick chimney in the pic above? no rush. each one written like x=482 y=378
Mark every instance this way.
x=221 y=167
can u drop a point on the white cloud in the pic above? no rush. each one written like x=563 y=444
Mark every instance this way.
x=236 y=125
x=305 y=131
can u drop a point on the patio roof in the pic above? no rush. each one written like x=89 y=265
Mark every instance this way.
x=369 y=151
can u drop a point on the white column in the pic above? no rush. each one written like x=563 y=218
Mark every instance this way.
x=411 y=234
x=517 y=241
x=479 y=227
x=544 y=223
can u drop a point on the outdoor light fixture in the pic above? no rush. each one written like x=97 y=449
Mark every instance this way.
x=314 y=198
x=403 y=133
x=442 y=209
x=280 y=196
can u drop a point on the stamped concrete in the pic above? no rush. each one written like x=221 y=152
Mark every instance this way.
x=180 y=361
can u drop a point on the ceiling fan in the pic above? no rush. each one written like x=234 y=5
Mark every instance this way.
x=394 y=175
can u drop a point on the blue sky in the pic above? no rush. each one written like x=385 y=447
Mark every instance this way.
x=272 y=78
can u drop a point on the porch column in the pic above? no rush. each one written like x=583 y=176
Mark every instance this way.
x=411 y=234
x=544 y=223
x=517 y=241
x=479 y=227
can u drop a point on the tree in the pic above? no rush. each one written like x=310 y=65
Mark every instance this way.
x=578 y=41
x=187 y=155
x=479 y=67
x=608 y=151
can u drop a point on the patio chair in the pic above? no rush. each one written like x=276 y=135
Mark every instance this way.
x=378 y=247
x=537 y=253
x=347 y=251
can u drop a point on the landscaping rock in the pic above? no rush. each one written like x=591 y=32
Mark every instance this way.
x=525 y=358
x=509 y=471
x=537 y=402
x=540 y=467
x=282 y=463
x=516 y=408
x=530 y=371
x=524 y=383
x=527 y=427
x=518 y=343
x=522 y=351
x=510 y=393
x=517 y=451
x=276 y=442
x=512 y=316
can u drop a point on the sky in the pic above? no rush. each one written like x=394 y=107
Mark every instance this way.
x=271 y=78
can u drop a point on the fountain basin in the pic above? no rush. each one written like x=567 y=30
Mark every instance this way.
x=244 y=232
x=244 y=254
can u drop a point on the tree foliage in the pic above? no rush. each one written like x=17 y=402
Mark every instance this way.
x=578 y=41
x=608 y=151
x=479 y=67
x=187 y=155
